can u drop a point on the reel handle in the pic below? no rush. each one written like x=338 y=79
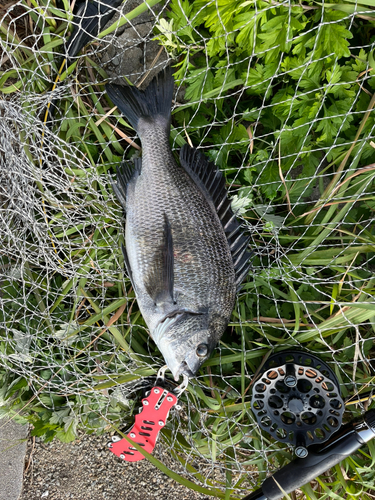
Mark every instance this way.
x=300 y=471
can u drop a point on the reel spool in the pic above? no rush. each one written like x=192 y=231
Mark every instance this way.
x=297 y=400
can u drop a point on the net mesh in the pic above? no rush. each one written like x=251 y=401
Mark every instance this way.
x=74 y=349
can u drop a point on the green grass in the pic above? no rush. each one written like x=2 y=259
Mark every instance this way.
x=300 y=167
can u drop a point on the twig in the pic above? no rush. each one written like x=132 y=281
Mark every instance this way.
x=7 y=5
x=251 y=137
x=227 y=390
x=30 y=459
x=352 y=401
x=360 y=85
x=283 y=180
x=124 y=136
x=81 y=304
x=188 y=137
x=211 y=382
x=335 y=203
x=359 y=172
x=152 y=65
x=4 y=59
x=283 y=321
x=356 y=351
x=97 y=123
x=256 y=373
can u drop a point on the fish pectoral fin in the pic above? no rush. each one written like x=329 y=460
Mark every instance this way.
x=160 y=279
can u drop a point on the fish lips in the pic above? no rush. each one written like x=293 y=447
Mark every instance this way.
x=188 y=367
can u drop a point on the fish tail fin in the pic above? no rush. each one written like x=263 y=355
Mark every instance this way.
x=152 y=105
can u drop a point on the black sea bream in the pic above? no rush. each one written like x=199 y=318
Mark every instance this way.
x=185 y=252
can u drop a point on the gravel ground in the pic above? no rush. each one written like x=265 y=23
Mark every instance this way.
x=87 y=470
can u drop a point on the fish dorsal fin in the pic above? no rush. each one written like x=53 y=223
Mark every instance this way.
x=210 y=180
x=204 y=173
x=160 y=278
x=125 y=172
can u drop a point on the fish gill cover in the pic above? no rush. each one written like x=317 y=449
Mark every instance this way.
x=279 y=95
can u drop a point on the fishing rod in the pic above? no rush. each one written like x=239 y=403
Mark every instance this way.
x=297 y=383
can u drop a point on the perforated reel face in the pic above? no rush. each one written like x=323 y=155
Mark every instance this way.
x=297 y=399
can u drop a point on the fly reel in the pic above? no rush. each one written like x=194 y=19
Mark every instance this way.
x=297 y=400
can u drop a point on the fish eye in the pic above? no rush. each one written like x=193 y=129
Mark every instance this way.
x=202 y=350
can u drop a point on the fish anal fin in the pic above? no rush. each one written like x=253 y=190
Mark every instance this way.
x=127 y=266
x=160 y=279
x=125 y=172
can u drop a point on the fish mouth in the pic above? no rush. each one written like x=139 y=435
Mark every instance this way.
x=189 y=366
x=177 y=368
x=179 y=363
x=183 y=369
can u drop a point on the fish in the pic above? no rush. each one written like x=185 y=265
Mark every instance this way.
x=185 y=252
x=90 y=18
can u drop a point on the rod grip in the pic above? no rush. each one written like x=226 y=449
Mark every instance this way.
x=303 y=470
x=320 y=458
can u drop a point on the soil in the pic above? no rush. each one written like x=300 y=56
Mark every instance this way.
x=86 y=470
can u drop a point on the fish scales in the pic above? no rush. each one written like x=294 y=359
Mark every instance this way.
x=203 y=268
x=177 y=251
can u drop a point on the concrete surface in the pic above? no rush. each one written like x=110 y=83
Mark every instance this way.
x=13 y=440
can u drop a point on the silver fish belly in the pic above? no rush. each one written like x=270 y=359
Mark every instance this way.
x=185 y=252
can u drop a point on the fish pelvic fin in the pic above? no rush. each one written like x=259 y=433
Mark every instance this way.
x=151 y=106
x=211 y=182
x=160 y=279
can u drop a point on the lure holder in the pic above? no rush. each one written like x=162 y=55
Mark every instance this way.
x=297 y=400
x=149 y=421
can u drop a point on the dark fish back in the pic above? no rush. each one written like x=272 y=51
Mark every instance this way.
x=211 y=182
